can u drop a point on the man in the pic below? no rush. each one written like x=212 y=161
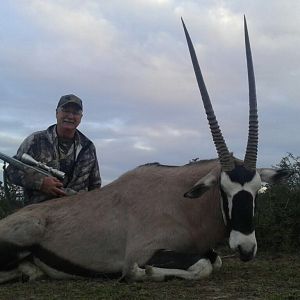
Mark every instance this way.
x=61 y=146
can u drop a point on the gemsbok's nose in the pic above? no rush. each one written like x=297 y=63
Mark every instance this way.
x=246 y=255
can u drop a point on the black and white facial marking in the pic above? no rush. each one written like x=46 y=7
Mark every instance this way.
x=239 y=188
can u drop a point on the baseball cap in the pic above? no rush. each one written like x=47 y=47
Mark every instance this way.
x=69 y=99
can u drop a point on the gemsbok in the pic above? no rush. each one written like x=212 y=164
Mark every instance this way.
x=153 y=222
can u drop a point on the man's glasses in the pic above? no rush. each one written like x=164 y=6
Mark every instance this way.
x=69 y=111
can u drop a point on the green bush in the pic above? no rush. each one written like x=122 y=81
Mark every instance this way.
x=278 y=212
x=11 y=198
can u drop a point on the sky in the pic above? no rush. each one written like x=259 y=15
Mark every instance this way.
x=129 y=63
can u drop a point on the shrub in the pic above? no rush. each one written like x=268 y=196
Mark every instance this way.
x=278 y=212
x=11 y=197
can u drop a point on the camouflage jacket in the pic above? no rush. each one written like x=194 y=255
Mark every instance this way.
x=82 y=173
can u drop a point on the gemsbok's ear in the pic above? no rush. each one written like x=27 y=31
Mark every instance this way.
x=269 y=175
x=204 y=184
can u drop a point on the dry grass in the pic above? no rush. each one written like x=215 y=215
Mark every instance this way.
x=267 y=277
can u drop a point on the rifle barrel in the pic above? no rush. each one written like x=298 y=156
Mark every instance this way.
x=31 y=161
x=20 y=165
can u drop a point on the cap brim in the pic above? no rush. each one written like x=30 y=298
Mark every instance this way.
x=71 y=101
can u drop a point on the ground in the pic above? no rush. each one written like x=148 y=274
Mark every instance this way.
x=266 y=277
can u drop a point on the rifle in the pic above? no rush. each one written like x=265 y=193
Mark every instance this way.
x=29 y=163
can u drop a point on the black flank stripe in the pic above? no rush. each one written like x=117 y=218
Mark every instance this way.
x=60 y=264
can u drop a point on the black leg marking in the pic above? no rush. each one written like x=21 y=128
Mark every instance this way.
x=211 y=255
x=173 y=260
x=9 y=258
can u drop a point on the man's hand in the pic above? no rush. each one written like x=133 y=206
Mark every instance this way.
x=52 y=186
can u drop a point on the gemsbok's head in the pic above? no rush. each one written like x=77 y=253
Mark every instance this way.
x=239 y=181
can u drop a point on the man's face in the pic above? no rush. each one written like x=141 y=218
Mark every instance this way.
x=68 y=116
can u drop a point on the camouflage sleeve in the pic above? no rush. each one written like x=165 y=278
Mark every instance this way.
x=95 y=178
x=29 y=179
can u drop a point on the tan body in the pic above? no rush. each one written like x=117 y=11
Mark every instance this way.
x=125 y=222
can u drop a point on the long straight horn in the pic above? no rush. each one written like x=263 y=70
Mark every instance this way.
x=251 y=151
x=223 y=153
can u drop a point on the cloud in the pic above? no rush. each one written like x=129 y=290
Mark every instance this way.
x=129 y=62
